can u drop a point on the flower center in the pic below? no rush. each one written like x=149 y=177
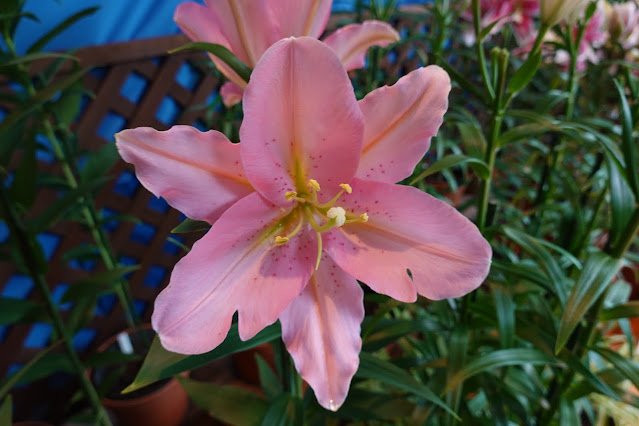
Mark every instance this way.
x=322 y=217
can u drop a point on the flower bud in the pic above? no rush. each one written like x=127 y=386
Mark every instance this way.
x=555 y=11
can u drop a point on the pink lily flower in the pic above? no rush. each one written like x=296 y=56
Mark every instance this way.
x=518 y=13
x=304 y=207
x=248 y=27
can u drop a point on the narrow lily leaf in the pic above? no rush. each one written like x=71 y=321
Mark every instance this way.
x=99 y=163
x=550 y=266
x=473 y=139
x=568 y=414
x=17 y=310
x=371 y=367
x=5 y=411
x=505 y=308
x=43 y=95
x=15 y=378
x=46 y=38
x=627 y=310
x=240 y=68
x=485 y=31
x=628 y=367
x=497 y=359
x=526 y=132
x=459 y=78
x=599 y=269
x=602 y=387
x=230 y=404
x=627 y=144
x=622 y=202
x=34 y=57
x=96 y=283
x=160 y=364
x=190 y=225
x=365 y=405
x=525 y=73
x=450 y=161
x=457 y=355
x=45 y=366
x=285 y=410
x=59 y=207
x=271 y=385
x=23 y=189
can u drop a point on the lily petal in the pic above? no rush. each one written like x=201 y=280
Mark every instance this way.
x=200 y=174
x=248 y=25
x=352 y=41
x=231 y=94
x=301 y=18
x=321 y=330
x=408 y=230
x=201 y=23
x=235 y=266
x=400 y=120
x=301 y=121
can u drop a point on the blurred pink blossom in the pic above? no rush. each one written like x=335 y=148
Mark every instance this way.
x=248 y=27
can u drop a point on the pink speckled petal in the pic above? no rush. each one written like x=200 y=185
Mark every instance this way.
x=408 y=230
x=301 y=121
x=231 y=94
x=351 y=42
x=235 y=267
x=400 y=120
x=321 y=331
x=201 y=23
x=200 y=174
x=301 y=17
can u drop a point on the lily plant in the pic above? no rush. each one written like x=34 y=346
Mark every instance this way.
x=304 y=207
x=248 y=27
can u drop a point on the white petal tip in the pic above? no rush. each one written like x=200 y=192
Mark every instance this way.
x=332 y=406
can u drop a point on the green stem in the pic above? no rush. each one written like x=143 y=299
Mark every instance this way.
x=97 y=232
x=23 y=241
x=481 y=56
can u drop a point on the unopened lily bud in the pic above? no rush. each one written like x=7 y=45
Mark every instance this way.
x=555 y=11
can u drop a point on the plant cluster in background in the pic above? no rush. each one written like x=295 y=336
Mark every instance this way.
x=538 y=148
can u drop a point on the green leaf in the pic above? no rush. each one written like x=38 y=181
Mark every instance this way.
x=190 y=225
x=46 y=38
x=362 y=404
x=5 y=411
x=24 y=186
x=473 y=139
x=17 y=310
x=622 y=202
x=66 y=107
x=599 y=269
x=627 y=144
x=285 y=410
x=534 y=248
x=230 y=404
x=12 y=380
x=45 y=366
x=271 y=385
x=99 y=163
x=602 y=387
x=30 y=57
x=497 y=359
x=568 y=414
x=160 y=364
x=225 y=55
x=627 y=367
x=627 y=310
x=57 y=210
x=40 y=97
x=525 y=73
x=505 y=308
x=371 y=367
x=96 y=283
x=450 y=161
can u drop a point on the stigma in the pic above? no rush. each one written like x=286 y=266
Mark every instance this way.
x=322 y=217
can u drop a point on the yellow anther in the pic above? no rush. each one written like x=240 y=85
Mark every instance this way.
x=281 y=240
x=364 y=217
x=346 y=187
x=290 y=195
x=313 y=184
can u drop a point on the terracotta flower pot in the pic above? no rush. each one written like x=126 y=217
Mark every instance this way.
x=164 y=403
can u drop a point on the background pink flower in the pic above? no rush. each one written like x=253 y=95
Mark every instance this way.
x=248 y=27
